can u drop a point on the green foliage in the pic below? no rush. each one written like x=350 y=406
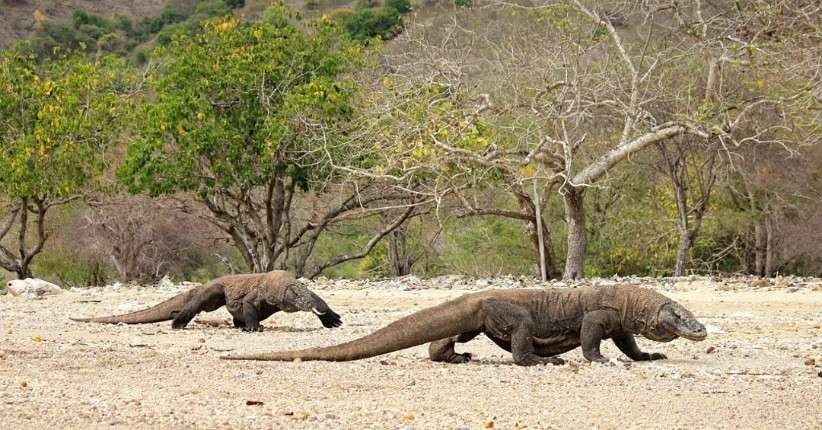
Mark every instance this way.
x=69 y=271
x=366 y=4
x=230 y=105
x=53 y=38
x=463 y=3
x=167 y=34
x=401 y=6
x=56 y=122
x=312 y=4
x=210 y=9
x=365 y=24
x=235 y=4
x=155 y=24
x=485 y=246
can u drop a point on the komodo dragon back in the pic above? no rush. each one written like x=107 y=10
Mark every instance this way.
x=163 y=311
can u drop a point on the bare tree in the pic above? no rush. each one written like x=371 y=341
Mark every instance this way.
x=28 y=217
x=692 y=169
x=144 y=239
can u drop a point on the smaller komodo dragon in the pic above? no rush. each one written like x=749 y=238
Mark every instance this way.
x=249 y=298
x=533 y=324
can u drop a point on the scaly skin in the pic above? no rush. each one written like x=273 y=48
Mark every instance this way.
x=535 y=325
x=250 y=298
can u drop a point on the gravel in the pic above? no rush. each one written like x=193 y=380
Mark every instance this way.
x=759 y=367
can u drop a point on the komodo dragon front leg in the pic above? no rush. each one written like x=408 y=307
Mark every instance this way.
x=628 y=346
x=598 y=325
x=250 y=316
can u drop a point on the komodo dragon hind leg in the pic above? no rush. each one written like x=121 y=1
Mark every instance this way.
x=209 y=299
x=443 y=349
x=507 y=320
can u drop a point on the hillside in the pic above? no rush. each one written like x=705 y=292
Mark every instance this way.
x=18 y=18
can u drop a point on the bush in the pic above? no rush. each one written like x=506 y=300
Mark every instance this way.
x=369 y=23
x=82 y=18
x=312 y=4
x=401 y=6
x=166 y=35
x=70 y=271
x=114 y=42
x=463 y=3
x=366 y=4
x=52 y=36
x=92 y=31
x=235 y=4
x=140 y=57
x=210 y=9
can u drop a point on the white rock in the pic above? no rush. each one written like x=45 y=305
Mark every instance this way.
x=32 y=287
x=713 y=329
x=166 y=283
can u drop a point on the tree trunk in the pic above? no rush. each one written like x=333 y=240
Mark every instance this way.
x=768 y=269
x=399 y=259
x=23 y=271
x=759 y=248
x=547 y=252
x=685 y=241
x=577 y=235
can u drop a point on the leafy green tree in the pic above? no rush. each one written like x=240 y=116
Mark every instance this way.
x=364 y=24
x=401 y=6
x=243 y=117
x=57 y=120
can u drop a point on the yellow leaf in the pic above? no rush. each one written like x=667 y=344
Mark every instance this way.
x=760 y=83
x=527 y=171
x=37 y=339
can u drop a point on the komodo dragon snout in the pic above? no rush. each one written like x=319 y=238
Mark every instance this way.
x=299 y=298
x=677 y=320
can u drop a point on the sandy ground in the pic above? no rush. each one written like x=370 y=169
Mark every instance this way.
x=72 y=375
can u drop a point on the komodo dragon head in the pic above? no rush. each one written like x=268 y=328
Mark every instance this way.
x=674 y=321
x=297 y=298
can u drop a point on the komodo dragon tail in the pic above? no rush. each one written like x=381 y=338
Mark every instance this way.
x=438 y=322
x=163 y=311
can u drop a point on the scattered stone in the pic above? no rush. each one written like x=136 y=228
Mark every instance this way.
x=710 y=350
x=254 y=403
x=810 y=362
x=488 y=424
x=24 y=384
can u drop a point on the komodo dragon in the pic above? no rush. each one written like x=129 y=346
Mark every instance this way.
x=250 y=298
x=533 y=324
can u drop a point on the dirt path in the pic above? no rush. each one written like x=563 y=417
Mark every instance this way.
x=61 y=374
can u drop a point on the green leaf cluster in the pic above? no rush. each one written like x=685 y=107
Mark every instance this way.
x=57 y=120
x=238 y=102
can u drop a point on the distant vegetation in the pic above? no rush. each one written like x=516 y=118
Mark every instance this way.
x=571 y=138
x=119 y=34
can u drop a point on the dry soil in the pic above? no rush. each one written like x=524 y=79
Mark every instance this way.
x=762 y=370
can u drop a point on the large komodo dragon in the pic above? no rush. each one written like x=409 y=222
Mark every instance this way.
x=533 y=324
x=250 y=298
